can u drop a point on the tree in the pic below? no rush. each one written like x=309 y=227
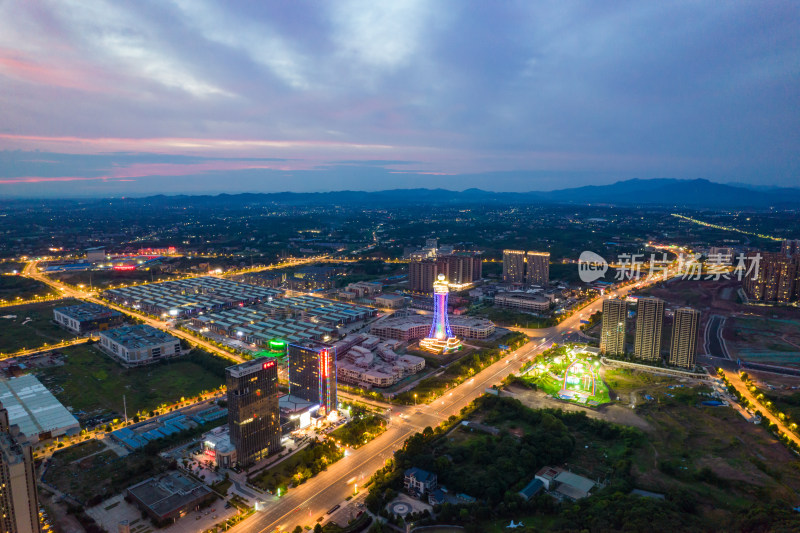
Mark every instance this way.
x=298 y=529
x=318 y=528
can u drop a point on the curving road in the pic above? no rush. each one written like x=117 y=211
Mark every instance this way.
x=303 y=505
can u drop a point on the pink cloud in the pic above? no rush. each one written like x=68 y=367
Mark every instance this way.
x=144 y=170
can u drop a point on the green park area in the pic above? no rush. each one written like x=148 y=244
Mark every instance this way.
x=91 y=383
x=299 y=467
x=31 y=326
x=362 y=428
x=570 y=374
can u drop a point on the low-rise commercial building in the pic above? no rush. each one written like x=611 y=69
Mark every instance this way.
x=412 y=327
x=139 y=345
x=523 y=301
x=167 y=497
x=86 y=317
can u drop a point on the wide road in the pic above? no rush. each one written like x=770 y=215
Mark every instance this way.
x=740 y=386
x=304 y=504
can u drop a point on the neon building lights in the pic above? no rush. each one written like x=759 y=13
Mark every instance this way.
x=440 y=338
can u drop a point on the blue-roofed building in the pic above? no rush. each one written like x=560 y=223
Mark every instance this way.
x=419 y=482
x=532 y=489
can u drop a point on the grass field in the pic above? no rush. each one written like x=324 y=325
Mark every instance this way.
x=13 y=287
x=104 y=279
x=18 y=333
x=92 y=383
x=713 y=455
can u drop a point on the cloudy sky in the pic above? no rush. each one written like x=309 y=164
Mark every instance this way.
x=194 y=96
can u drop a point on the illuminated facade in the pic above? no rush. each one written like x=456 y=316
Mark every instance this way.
x=513 y=266
x=440 y=337
x=19 y=507
x=312 y=376
x=612 y=337
x=253 y=412
x=649 y=320
x=538 y=269
x=683 y=349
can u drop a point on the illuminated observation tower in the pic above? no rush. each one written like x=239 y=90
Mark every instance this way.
x=440 y=338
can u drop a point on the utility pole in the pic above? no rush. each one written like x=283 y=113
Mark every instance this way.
x=125 y=409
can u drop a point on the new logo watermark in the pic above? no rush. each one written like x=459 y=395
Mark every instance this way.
x=591 y=266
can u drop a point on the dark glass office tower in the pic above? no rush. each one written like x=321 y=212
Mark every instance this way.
x=253 y=413
x=312 y=375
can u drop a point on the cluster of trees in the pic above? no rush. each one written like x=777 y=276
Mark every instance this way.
x=361 y=429
x=298 y=468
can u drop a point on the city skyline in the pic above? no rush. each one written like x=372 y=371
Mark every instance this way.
x=107 y=100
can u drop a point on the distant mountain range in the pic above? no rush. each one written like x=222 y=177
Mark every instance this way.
x=696 y=193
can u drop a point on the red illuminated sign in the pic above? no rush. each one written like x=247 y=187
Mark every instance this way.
x=324 y=363
x=124 y=267
x=268 y=364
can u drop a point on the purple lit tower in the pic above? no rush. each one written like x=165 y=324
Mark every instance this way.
x=440 y=338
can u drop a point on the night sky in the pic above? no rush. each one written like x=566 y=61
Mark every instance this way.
x=189 y=96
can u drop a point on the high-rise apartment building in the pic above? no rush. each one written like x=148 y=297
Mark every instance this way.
x=19 y=506
x=683 y=348
x=790 y=246
x=649 y=319
x=312 y=375
x=772 y=277
x=513 y=266
x=612 y=336
x=458 y=268
x=538 y=268
x=253 y=412
x=421 y=275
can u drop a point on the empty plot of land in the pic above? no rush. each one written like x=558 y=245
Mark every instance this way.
x=31 y=326
x=92 y=383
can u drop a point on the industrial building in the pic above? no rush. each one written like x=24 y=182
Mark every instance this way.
x=35 y=410
x=312 y=375
x=167 y=497
x=649 y=320
x=189 y=297
x=612 y=335
x=409 y=327
x=139 y=345
x=295 y=319
x=86 y=317
x=392 y=301
x=253 y=412
x=19 y=504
